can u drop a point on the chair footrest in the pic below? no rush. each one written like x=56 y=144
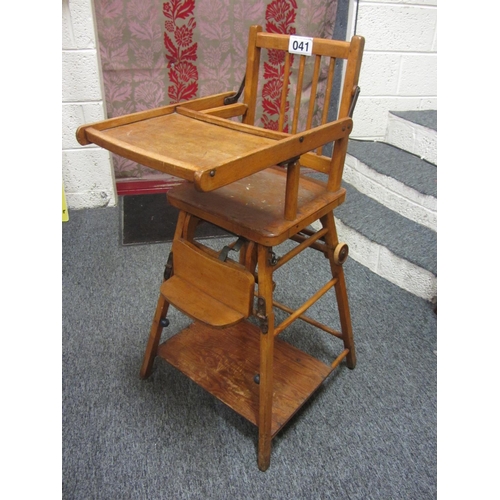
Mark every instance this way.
x=197 y=304
x=225 y=362
x=207 y=289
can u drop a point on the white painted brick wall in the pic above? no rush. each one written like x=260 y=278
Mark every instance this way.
x=87 y=171
x=399 y=70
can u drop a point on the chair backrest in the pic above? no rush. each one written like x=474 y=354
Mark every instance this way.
x=299 y=88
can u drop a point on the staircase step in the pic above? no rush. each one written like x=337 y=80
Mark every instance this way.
x=399 y=180
x=414 y=131
x=394 y=247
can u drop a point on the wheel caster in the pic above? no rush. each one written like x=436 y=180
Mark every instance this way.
x=164 y=322
x=340 y=253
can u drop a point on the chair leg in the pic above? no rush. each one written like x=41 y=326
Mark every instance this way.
x=331 y=239
x=345 y=318
x=266 y=315
x=154 y=337
x=186 y=224
x=248 y=256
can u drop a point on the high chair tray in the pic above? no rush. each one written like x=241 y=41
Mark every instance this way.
x=196 y=145
x=225 y=362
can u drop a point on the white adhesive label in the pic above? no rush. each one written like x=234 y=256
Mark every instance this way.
x=300 y=45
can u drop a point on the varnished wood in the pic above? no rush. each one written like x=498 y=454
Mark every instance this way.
x=199 y=305
x=284 y=92
x=298 y=94
x=211 y=156
x=273 y=154
x=339 y=358
x=155 y=143
x=305 y=306
x=207 y=289
x=292 y=190
x=332 y=241
x=225 y=362
x=236 y=184
x=337 y=164
x=227 y=111
x=351 y=78
x=154 y=338
x=252 y=75
x=309 y=320
x=253 y=206
x=321 y=46
x=304 y=243
x=266 y=368
x=197 y=104
x=240 y=127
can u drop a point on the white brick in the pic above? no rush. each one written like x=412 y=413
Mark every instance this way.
x=361 y=249
x=428 y=103
x=409 y=2
x=389 y=266
x=76 y=114
x=88 y=178
x=397 y=27
x=435 y=42
x=391 y=193
x=418 y=75
x=406 y=275
x=80 y=76
x=379 y=73
x=77 y=25
x=371 y=114
x=412 y=137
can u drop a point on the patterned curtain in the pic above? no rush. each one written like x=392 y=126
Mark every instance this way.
x=155 y=53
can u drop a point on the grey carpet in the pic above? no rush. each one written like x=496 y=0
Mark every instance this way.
x=369 y=433
x=391 y=161
x=404 y=237
x=425 y=118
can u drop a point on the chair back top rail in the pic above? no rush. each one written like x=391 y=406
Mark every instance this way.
x=313 y=83
x=334 y=50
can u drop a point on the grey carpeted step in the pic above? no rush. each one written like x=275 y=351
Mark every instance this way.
x=398 y=179
x=414 y=131
x=424 y=118
x=389 y=244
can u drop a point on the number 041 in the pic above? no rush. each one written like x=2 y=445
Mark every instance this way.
x=300 y=45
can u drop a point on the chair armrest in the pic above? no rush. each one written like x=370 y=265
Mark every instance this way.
x=284 y=149
x=227 y=111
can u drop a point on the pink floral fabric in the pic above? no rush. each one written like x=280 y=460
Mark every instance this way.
x=160 y=52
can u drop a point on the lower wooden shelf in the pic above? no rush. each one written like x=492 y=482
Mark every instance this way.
x=225 y=362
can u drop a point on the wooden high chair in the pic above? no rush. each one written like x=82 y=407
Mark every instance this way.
x=248 y=181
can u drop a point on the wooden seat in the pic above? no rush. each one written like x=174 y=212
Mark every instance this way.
x=253 y=207
x=257 y=184
x=267 y=207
